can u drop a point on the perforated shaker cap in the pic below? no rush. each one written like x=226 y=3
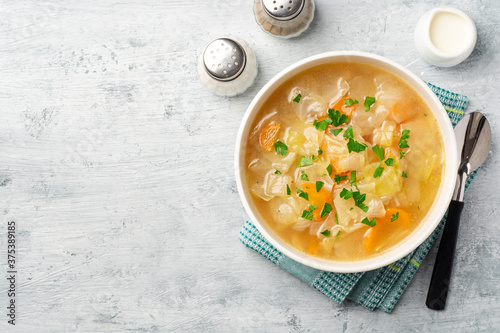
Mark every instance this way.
x=224 y=59
x=283 y=10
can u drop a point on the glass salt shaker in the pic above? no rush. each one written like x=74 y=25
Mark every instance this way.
x=227 y=66
x=284 y=18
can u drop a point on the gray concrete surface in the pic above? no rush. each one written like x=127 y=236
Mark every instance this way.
x=116 y=165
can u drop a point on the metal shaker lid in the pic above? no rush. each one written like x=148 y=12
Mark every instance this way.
x=224 y=59
x=283 y=10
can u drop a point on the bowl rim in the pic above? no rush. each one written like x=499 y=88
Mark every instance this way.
x=433 y=217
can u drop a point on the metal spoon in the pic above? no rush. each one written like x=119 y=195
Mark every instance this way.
x=473 y=136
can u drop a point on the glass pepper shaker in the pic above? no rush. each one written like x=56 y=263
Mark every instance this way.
x=284 y=18
x=227 y=66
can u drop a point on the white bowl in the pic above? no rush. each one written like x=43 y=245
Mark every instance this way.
x=438 y=208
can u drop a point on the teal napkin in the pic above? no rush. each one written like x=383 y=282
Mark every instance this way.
x=380 y=288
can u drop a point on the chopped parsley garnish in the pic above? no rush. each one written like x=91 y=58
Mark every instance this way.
x=405 y=175
x=319 y=185
x=297 y=99
x=358 y=200
x=378 y=171
x=348 y=134
x=337 y=117
x=307 y=215
x=303 y=176
x=303 y=194
x=336 y=131
x=336 y=219
x=370 y=223
x=322 y=125
x=394 y=217
x=320 y=152
x=329 y=169
x=389 y=162
x=338 y=234
x=404 y=136
x=345 y=194
x=379 y=151
x=401 y=154
x=312 y=207
x=352 y=181
x=288 y=191
x=368 y=102
x=305 y=161
x=350 y=101
x=325 y=233
x=277 y=172
x=327 y=208
x=280 y=148
x=425 y=114
x=338 y=179
x=355 y=146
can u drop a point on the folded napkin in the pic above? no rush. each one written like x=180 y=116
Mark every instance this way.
x=380 y=288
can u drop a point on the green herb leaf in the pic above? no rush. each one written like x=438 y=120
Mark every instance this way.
x=425 y=114
x=359 y=199
x=348 y=134
x=307 y=215
x=336 y=219
x=404 y=136
x=320 y=152
x=379 y=151
x=405 y=175
x=297 y=99
x=327 y=208
x=368 y=102
x=345 y=194
x=280 y=148
x=370 y=223
x=325 y=233
x=338 y=179
x=305 y=161
x=350 y=101
x=394 y=217
x=329 y=169
x=303 y=176
x=319 y=185
x=277 y=172
x=336 y=131
x=378 y=171
x=352 y=182
x=401 y=154
x=337 y=235
x=302 y=194
x=288 y=191
x=322 y=125
x=389 y=162
x=312 y=207
x=337 y=117
x=355 y=146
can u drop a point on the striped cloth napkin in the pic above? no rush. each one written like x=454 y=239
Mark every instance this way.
x=380 y=288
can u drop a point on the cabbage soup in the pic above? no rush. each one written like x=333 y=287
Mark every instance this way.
x=344 y=161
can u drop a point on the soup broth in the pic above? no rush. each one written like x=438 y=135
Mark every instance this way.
x=344 y=161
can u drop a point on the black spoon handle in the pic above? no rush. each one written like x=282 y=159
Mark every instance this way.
x=440 y=280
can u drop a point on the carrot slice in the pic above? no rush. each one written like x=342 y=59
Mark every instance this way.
x=340 y=106
x=268 y=135
x=381 y=233
x=317 y=199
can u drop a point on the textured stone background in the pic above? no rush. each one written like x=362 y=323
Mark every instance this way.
x=116 y=164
